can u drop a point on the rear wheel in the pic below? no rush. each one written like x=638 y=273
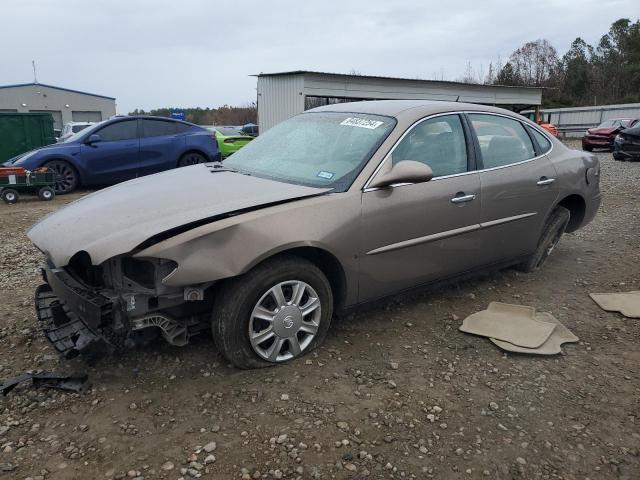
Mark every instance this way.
x=46 y=194
x=277 y=312
x=587 y=148
x=66 y=176
x=191 y=158
x=551 y=235
x=10 y=196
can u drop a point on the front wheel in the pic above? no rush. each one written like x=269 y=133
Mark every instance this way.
x=46 y=194
x=278 y=311
x=66 y=176
x=587 y=148
x=551 y=235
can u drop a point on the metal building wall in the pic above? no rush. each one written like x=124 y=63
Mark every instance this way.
x=407 y=89
x=45 y=98
x=279 y=98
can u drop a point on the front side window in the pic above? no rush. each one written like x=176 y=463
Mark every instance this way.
x=438 y=142
x=503 y=141
x=125 y=130
x=158 y=128
x=320 y=149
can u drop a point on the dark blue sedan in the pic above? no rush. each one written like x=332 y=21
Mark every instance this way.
x=120 y=149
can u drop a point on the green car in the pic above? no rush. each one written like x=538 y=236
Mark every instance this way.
x=230 y=139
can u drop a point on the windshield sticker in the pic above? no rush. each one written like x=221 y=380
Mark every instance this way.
x=326 y=175
x=361 y=122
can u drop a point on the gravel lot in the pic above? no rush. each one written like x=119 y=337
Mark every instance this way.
x=395 y=392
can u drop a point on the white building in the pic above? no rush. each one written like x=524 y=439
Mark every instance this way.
x=285 y=94
x=64 y=104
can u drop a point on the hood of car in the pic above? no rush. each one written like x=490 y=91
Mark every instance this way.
x=118 y=219
x=67 y=148
x=603 y=131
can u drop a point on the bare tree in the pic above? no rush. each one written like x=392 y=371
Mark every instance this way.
x=534 y=63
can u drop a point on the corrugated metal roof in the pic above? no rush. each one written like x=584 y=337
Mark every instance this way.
x=446 y=82
x=56 y=88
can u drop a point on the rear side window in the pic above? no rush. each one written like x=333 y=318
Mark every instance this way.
x=503 y=141
x=438 y=142
x=157 y=128
x=543 y=142
x=124 y=130
x=182 y=127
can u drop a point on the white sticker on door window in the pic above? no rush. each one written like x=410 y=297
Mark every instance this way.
x=361 y=122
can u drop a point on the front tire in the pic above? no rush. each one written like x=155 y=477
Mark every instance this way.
x=66 y=176
x=551 y=234
x=587 y=148
x=275 y=313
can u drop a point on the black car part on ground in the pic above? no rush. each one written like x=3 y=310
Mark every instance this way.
x=627 y=145
x=73 y=383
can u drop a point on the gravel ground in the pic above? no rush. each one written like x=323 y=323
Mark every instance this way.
x=396 y=391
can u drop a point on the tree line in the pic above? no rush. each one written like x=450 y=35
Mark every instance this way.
x=605 y=73
x=225 y=115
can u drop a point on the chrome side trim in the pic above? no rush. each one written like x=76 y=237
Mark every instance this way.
x=425 y=239
x=447 y=234
x=501 y=221
x=366 y=187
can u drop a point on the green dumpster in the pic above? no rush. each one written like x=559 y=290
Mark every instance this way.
x=21 y=132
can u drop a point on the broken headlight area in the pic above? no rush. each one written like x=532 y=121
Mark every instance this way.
x=92 y=310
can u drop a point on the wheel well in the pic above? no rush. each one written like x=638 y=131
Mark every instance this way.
x=329 y=265
x=576 y=206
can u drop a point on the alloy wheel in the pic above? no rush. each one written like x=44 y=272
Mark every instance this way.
x=65 y=176
x=284 y=321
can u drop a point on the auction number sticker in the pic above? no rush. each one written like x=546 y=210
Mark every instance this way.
x=361 y=122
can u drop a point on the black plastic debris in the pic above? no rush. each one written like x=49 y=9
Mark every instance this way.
x=72 y=383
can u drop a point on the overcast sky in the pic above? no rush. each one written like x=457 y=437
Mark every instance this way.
x=157 y=53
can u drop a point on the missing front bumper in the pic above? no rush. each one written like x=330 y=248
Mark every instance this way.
x=68 y=333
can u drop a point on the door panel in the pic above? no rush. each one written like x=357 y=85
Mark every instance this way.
x=414 y=234
x=115 y=158
x=160 y=146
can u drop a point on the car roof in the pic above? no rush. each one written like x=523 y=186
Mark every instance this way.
x=408 y=108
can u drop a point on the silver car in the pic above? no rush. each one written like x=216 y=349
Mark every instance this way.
x=338 y=206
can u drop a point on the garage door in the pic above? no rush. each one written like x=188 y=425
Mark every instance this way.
x=57 y=117
x=86 y=116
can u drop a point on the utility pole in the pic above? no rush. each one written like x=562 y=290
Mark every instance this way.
x=35 y=76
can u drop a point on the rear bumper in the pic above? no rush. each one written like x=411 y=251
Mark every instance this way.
x=591 y=209
x=71 y=317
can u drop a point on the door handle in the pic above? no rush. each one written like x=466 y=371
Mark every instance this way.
x=545 y=181
x=463 y=198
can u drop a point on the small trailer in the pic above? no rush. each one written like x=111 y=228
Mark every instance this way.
x=16 y=180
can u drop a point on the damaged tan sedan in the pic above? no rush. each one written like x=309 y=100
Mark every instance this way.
x=341 y=205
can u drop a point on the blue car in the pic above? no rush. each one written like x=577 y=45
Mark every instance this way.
x=120 y=149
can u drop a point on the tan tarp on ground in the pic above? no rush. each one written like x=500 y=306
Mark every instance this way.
x=628 y=303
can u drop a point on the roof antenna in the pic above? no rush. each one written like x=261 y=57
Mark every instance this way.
x=457 y=98
x=35 y=76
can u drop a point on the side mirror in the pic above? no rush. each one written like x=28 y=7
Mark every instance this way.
x=95 y=138
x=405 y=171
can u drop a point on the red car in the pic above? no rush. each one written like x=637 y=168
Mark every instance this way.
x=604 y=134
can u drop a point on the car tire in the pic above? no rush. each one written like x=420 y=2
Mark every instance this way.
x=587 y=148
x=66 y=176
x=553 y=230
x=46 y=194
x=191 y=158
x=9 y=196
x=239 y=326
